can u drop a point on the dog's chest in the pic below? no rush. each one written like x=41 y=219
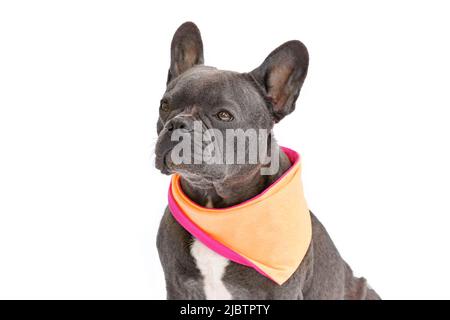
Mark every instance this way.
x=212 y=268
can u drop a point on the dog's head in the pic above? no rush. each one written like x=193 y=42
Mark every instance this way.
x=217 y=101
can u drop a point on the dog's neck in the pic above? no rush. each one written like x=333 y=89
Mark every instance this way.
x=230 y=192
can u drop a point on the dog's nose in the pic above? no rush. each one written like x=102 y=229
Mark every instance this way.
x=178 y=123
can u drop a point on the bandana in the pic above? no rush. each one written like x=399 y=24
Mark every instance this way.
x=270 y=232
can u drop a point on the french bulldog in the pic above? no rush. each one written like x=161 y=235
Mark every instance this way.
x=223 y=99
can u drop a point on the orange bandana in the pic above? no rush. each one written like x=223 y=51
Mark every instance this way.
x=270 y=232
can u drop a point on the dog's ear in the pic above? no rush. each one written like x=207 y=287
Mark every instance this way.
x=186 y=50
x=281 y=77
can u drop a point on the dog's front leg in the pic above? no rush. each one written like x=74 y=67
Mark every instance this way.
x=245 y=283
x=180 y=288
x=183 y=279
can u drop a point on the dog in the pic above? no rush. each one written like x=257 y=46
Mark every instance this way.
x=223 y=99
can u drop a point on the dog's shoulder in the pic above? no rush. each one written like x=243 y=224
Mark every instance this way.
x=171 y=235
x=174 y=243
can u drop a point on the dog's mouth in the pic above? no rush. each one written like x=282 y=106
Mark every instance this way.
x=167 y=166
x=164 y=163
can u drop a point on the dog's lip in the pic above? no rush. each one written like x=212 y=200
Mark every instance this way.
x=162 y=162
x=166 y=159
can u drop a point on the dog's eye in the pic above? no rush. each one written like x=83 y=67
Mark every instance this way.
x=164 y=106
x=224 y=115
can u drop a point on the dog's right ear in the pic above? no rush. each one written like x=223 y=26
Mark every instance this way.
x=186 y=50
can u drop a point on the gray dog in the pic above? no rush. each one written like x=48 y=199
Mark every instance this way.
x=221 y=100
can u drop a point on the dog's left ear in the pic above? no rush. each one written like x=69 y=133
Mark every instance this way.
x=186 y=50
x=281 y=77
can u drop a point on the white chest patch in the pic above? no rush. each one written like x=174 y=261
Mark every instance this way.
x=212 y=267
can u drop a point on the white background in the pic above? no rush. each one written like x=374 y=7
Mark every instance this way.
x=80 y=84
